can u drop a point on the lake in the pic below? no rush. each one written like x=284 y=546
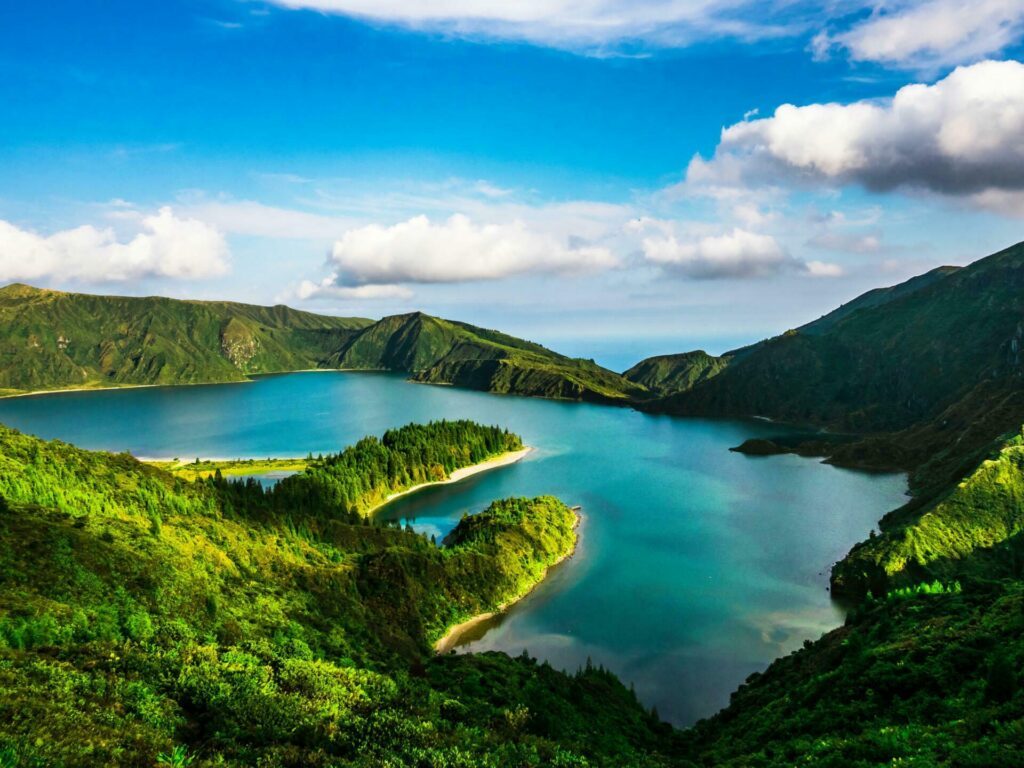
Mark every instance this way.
x=696 y=567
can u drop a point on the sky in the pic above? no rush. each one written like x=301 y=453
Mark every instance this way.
x=614 y=178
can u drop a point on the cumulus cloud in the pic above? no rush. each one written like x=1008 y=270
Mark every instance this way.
x=166 y=246
x=932 y=33
x=582 y=24
x=456 y=250
x=735 y=254
x=960 y=136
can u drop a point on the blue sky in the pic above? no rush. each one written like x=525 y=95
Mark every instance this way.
x=522 y=166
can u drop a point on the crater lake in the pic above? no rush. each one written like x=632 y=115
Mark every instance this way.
x=696 y=567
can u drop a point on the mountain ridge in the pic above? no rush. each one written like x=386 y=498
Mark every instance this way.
x=55 y=340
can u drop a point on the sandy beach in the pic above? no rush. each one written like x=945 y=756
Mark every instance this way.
x=451 y=638
x=460 y=474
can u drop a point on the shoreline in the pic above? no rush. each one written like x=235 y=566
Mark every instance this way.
x=116 y=387
x=249 y=379
x=450 y=640
x=502 y=460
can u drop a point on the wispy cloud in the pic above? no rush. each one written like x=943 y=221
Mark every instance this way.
x=930 y=34
x=597 y=27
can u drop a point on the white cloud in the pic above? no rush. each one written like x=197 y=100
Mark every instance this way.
x=1002 y=201
x=455 y=250
x=824 y=269
x=931 y=33
x=961 y=136
x=328 y=289
x=736 y=254
x=166 y=246
x=590 y=25
x=251 y=218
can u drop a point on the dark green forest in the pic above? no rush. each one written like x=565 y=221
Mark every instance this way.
x=362 y=476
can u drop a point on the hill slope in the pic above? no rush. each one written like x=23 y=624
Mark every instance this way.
x=931 y=366
x=441 y=351
x=54 y=340
x=142 y=615
x=665 y=374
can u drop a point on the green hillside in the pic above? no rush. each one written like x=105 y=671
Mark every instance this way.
x=928 y=372
x=969 y=531
x=440 y=351
x=55 y=340
x=146 y=620
x=876 y=298
x=665 y=374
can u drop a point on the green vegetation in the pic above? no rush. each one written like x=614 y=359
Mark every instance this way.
x=440 y=351
x=55 y=340
x=666 y=374
x=970 y=531
x=147 y=620
x=362 y=477
x=202 y=469
x=927 y=677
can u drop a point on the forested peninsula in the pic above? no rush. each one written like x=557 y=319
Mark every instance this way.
x=150 y=620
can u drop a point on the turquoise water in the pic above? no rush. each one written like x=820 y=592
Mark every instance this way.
x=697 y=566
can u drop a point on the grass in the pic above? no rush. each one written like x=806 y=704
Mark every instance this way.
x=201 y=469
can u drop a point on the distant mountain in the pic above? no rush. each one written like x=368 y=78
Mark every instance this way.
x=665 y=374
x=447 y=352
x=927 y=373
x=56 y=340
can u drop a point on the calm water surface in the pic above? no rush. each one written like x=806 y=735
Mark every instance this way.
x=697 y=566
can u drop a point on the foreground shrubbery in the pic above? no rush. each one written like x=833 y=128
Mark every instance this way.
x=145 y=620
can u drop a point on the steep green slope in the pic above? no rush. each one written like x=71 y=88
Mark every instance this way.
x=142 y=615
x=665 y=374
x=441 y=351
x=54 y=340
x=876 y=298
x=925 y=678
x=968 y=531
x=885 y=367
x=906 y=369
